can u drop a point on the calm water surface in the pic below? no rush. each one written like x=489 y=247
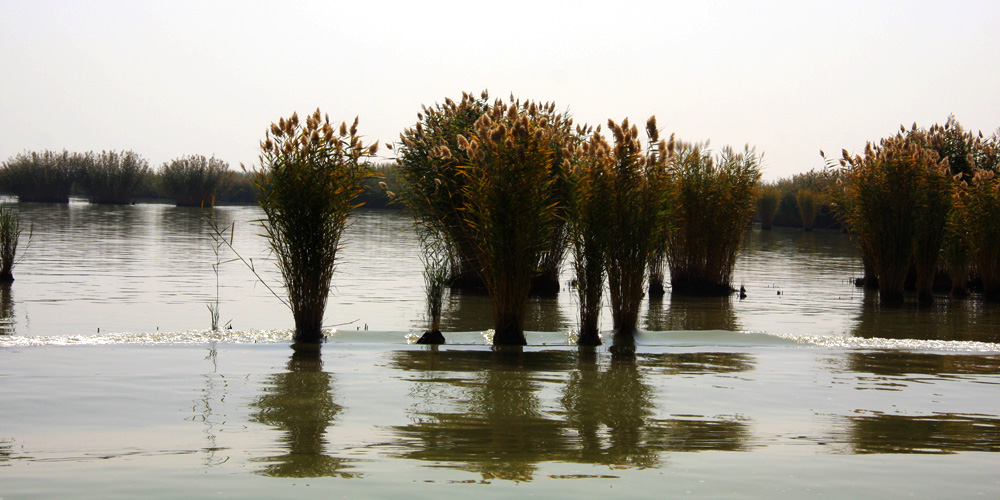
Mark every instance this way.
x=112 y=387
x=148 y=270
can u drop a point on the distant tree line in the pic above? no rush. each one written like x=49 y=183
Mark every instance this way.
x=119 y=178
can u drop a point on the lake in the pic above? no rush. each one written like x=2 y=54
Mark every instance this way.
x=112 y=385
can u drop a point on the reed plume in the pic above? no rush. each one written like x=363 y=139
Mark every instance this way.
x=308 y=180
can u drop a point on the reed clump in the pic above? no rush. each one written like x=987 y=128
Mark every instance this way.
x=309 y=177
x=42 y=176
x=898 y=199
x=638 y=209
x=977 y=212
x=10 y=234
x=112 y=177
x=714 y=202
x=767 y=202
x=430 y=157
x=194 y=181
x=808 y=203
x=437 y=259
x=511 y=209
x=981 y=201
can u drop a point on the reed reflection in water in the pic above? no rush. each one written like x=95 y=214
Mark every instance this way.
x=945 y=319
x=7 y=320
x=942 y=433
x=500 y=424
x=300 y=404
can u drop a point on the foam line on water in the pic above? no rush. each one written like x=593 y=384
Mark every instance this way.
x=901 y=344
x=650 y=339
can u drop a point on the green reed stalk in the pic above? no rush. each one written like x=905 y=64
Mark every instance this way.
x=714 y=204
x=767 y=202
x=308 y=180
x=193 y=180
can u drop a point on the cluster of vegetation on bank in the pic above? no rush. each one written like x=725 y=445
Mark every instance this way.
x=120 y=178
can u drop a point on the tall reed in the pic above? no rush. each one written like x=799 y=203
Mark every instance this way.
x=637 y=207
x=983 y=205
x=714 y=203
x=979 y=205
x=45 y=176
x=897 y=208
x=10 y=234
x=194 y=181
x=956 y=256
x=113 y=178
x=767 y=202
x=510 y=210
x=429 y=160
x=309 y=177
x=807 y=201
x=590 y=231
x=437 y=259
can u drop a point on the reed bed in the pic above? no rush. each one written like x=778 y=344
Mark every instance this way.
x=713 y=204
x=42 y=176
x=897 y=204
x=195 y=181
x=919 y=202
x=113 y=178
x=309 y=177
x=767 y=202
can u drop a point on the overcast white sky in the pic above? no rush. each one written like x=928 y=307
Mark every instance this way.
x=173 y=78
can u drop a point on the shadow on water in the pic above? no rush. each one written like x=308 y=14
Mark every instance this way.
x=7 y=319
x=500 y=413
x=300 y=404
x=969 y=319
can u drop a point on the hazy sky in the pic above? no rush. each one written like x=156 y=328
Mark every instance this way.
x=172 y=78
